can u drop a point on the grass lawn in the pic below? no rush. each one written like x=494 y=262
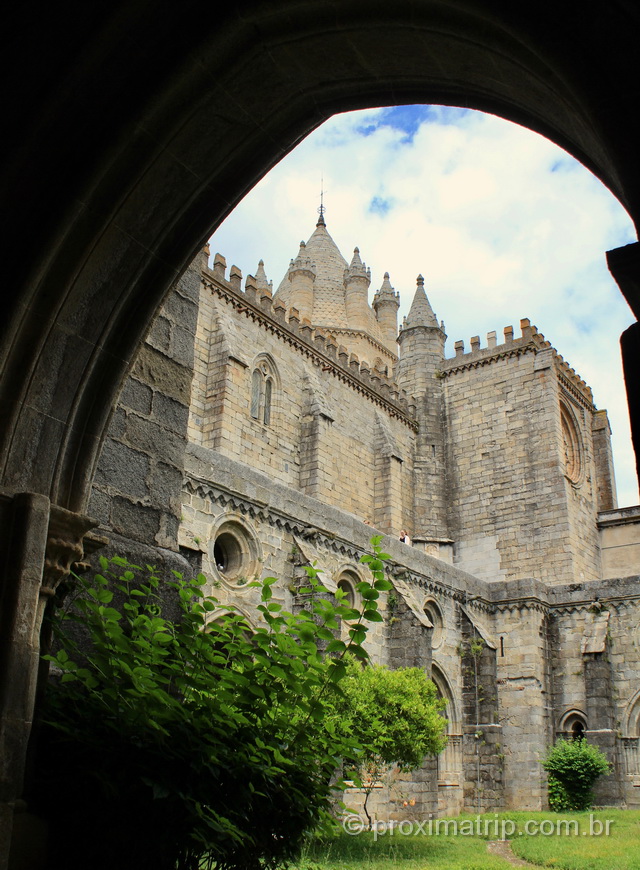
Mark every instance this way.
x=620 y=850
x=572 y=841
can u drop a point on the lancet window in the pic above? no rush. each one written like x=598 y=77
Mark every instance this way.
x=263 y=379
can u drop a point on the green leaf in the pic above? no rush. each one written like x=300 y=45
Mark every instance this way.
x=337 y=671
x=336 y=646
x=372 y=616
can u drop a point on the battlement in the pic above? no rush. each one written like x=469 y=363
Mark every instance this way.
x=528 y=333
x=529 y=339
x=258 y=302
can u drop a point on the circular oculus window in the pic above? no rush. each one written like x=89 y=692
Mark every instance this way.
x=235 y=552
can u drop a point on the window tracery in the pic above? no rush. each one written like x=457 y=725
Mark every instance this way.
x=571 y=444
x=263 y=379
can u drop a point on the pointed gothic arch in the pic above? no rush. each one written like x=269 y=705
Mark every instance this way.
x=632 y=716
x=572 y=724
x=445 y=690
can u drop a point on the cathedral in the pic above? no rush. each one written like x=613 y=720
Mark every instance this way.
x=316 y=420
x=119 y=166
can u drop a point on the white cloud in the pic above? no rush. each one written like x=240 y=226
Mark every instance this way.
x=502 y=223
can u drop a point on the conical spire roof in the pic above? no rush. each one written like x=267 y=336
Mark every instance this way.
x=357 y=269
x=329 y=266
x=262 y=283
x=421 y=312
x=386 y=293
x=385 y=287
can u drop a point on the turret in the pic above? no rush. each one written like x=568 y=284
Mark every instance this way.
x=357 y=279
x=302 y=275
x=386 y=303
x=421 y=341
x=261 y=279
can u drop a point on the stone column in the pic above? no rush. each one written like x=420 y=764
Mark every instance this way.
x=387 y=501
x=316 y=443
x=43 y=542
x=409 y=646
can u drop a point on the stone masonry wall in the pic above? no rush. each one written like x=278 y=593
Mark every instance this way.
x=581 y=486
x=516 y=504
x=323 y=431
x=514 y=513
x=482 y=753
x=138 y=481
x=602 y=686
x=523 y=687
x=603 y=456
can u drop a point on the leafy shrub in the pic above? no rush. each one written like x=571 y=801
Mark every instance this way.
x=559 y=800
x=191 y=743
x=573 y=767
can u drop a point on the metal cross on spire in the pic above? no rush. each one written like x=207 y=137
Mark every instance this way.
x=321 y=210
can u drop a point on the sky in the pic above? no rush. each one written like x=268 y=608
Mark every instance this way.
x=502 y=224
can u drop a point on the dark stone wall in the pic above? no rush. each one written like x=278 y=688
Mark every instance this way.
x=137 y=487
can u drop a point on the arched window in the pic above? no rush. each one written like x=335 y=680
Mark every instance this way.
x=434 y=615
x=347 y=583
x=262 y=390
x=571 y=444
x=347 y=580
x=572 y=725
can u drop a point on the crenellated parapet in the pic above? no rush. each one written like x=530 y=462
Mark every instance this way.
x=530 y=340
x=256 y=302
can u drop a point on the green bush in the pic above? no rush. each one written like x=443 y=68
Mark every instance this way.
x=197 y=742
x=559 y=800
x=573 y=767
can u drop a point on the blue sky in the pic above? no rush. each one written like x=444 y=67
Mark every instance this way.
x=502 y=223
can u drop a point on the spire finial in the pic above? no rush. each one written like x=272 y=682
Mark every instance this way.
x=321 y=210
